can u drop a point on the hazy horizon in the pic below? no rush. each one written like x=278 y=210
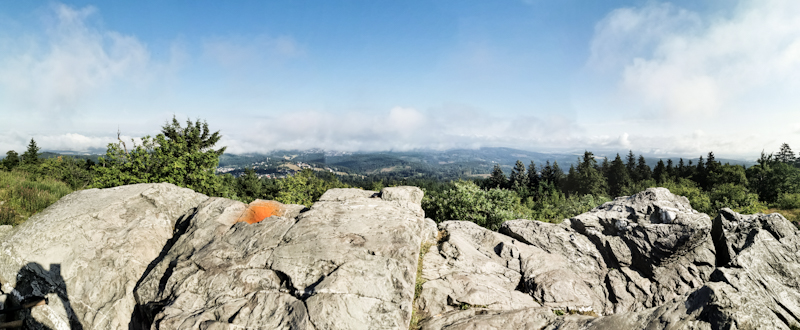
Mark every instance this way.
x=664 y=79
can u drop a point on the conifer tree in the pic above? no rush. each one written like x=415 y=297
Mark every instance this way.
x=630 y=164
x=618 y=177
x=498 y=178
x=184 y=156
x=660 y=172
x=586 y=178
x=785 y=155
x=533 y=177
x=518 y=179
x=642 y=170
x=31 y=156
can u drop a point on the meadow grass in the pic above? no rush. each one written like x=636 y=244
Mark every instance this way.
x=24 y=194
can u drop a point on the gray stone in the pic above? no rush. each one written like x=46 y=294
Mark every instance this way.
x=347 y=263
x=87 y=251
x=472 y=267
x=630 y=254
x=5 y=229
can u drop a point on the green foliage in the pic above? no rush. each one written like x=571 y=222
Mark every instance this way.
x=687 y=188
x=497 y=179
x=554 y=206
x=770 y=179
x=586 y=179
x=735 y=197
x=24 y=194
x=788 y=201
x=518 y=180
x=31 y=156
x=77 y=173
x=183 y=156
x=618 y=177
x=11 y=161
x=466 y=201
x=249 y=187
x=305 y=188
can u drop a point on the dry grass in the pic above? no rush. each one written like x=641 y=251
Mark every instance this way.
x=792 y=215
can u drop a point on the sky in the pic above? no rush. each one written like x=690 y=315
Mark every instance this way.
x=663 y=79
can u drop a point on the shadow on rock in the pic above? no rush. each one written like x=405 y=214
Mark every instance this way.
x=40 y=300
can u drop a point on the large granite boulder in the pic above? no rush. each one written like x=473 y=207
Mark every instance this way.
x=646 y=261
x=347 y=263
x=155 y=256
x=86 y=252
x=755 y=286
x=630 y=254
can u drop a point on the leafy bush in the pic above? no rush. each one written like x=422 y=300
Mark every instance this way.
x=555 y=207
x=687 y=188
x=788 y=201
x=466 y=201
x=305 y=187
x=737 y=198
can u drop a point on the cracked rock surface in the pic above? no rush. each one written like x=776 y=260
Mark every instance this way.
x=86 y=252
x=347 y=263
x=155 y=256
x=647 y=261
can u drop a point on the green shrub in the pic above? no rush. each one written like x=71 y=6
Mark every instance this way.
x=466 y=201
x=788 y=201
x=699 y=199
x=555 y=207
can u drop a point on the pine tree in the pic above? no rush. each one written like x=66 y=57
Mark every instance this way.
x=642 y=170
x=618 y=177
x=518 y=179
x=670 y=169
x=498 y=178
x=630 y=164
x=533 y=178
x=586 y=178
x=31 y=156
x=184 y=156
x=660 y=172
x=785 y=155
x=700 y=174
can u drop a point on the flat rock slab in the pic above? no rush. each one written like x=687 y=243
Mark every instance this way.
x=86 y=252
x=347 y=263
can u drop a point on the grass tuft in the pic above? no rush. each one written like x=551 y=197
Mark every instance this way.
x=23 y=194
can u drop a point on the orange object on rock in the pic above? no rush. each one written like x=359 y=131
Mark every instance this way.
x=259 y=210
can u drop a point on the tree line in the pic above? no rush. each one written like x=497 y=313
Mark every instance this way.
x=187 y=156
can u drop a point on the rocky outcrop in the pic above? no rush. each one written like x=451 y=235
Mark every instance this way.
x=155 y=256
x=86 y=252
x=348 y=262
x=644 y=261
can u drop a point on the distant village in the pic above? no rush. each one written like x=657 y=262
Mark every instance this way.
x=268 y=170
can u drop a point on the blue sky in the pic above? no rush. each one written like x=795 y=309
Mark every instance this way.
x=661 y=78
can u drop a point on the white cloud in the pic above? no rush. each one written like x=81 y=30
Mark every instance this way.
x=400 y=128
x=57 y=70
x=61 y=142
x=681 y=63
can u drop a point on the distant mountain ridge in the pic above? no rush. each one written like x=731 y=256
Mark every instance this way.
x=441 y=163
x=482 y=160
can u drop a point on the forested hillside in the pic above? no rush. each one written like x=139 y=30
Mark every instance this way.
x=551 y=191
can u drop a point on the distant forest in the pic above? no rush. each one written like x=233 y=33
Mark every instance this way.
x=186 y=156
